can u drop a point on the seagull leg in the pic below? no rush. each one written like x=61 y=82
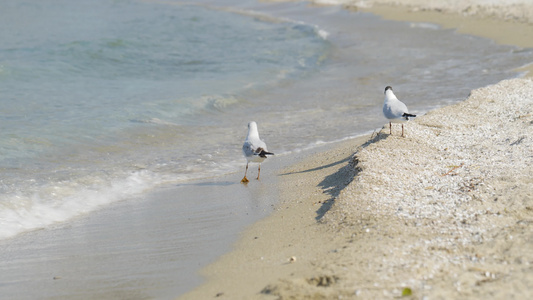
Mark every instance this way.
x=258 y=171
x=244 y=179
x=402 y=130
x=390 y=128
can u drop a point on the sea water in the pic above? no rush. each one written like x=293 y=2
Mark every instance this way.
x=102 y=101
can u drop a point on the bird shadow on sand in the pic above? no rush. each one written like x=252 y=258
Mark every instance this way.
x=318 y=168
x=334 y=183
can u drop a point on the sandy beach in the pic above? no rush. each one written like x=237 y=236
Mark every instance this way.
x=445 y=212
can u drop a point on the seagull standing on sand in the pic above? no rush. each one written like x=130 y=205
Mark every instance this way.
x=394 y=109
x=254 y=149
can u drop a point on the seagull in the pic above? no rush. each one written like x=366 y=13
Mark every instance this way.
x=254 y=149
x=394 y=109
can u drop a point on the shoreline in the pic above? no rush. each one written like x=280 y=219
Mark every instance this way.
x=503 y=32
x=514 y=33
x=308 y=190
x=390 y=248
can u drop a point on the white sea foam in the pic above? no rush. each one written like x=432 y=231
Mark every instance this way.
x=425 y=25
x=61 y=202
x=322 y=33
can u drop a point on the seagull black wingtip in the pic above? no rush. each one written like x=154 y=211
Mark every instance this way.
x=408 y=115
x=264 y=154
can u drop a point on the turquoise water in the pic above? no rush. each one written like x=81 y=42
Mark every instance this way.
x=80 y=72
x=102 y=101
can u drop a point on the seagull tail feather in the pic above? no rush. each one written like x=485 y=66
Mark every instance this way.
x=407 y=116
x=263 y=153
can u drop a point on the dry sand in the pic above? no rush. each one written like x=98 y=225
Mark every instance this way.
x=447 y=211
x=443 y=213
x=507 y=10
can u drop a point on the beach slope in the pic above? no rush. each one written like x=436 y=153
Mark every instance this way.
x=445 y=212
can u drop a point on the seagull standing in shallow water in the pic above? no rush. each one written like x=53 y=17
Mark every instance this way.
x=254 y=149
x=394 y=109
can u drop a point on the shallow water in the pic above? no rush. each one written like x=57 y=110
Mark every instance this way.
x=97 y=110
x=104 y=101
x=144 y=248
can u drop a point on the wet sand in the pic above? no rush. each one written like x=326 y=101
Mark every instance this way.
x=444 y=213
x=160 y=239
